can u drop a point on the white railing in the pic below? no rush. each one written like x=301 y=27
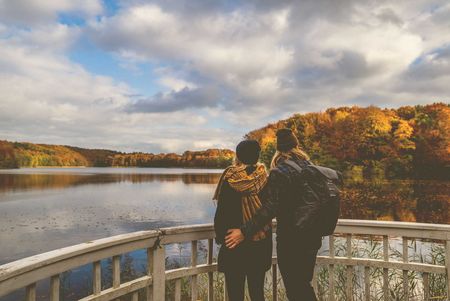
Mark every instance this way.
x=25 y=273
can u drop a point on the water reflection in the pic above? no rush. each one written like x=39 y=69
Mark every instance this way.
x=45 y=209
x=14 y=182
x=42 y=211
x=397 y=200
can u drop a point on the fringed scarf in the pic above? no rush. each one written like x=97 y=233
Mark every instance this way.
x=248 y=186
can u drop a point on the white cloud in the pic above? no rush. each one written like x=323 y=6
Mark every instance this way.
x=223 y=68
x=32 y=12
x=176 y=84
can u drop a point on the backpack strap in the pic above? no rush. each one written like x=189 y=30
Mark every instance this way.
x=294 y=165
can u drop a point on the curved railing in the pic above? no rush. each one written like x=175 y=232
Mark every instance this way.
x=26 y=272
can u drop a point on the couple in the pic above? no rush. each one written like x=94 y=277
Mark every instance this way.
x=247 y=200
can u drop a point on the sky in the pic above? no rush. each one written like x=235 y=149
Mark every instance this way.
x=168 y=76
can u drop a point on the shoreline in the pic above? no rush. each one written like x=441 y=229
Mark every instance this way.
x=81 y=167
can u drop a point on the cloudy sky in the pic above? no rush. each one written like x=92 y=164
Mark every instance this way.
x=171 y=75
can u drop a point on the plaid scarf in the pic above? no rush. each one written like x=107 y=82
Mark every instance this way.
x=248 y=186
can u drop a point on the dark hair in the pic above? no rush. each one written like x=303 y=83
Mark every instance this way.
x=247 y=152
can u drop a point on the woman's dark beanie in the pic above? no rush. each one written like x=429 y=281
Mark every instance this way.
x=247 y=151
x=286 y=140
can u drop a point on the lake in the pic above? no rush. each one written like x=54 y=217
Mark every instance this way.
x=47 y=208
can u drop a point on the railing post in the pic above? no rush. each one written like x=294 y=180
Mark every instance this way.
x=386 y=271
x=135 y=296
x=116 y=271
x=31 y=292
x=447 y=265
x=149 y=289
x=349 y=284
x=367 y=283
x=426 y=287
x=97 y=278
x=54 y=288
x=210 y=274
x=331 y=269
x=194 y=283
x=158 y=269
x=178 y=290
x=405 y=272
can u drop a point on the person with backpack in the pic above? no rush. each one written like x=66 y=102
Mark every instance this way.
x=238 y=198
x=305 y=200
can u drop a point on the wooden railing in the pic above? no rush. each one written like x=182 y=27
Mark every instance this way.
x=25 y=273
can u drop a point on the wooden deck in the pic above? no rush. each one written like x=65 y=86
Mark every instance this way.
x=26 y=272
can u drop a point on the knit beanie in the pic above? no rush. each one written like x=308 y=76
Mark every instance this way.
x=247 y=151
x=286 y=140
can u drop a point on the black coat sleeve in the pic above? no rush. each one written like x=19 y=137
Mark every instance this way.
x=270 y=204
x=219 y=219
x=228 y=213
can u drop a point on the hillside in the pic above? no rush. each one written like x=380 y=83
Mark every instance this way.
x=404 y=142
x=18 y=154
x=411 y=141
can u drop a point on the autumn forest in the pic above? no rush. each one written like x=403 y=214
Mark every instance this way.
x=411 y=141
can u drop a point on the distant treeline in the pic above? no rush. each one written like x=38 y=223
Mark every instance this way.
x=22 y=154
x=411 y=141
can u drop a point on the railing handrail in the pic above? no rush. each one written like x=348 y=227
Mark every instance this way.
x=27 y=264
x=57 y=261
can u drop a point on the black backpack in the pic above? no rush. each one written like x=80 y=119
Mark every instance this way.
x=321 y=185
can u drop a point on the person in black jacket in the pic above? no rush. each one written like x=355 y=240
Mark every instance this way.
x=238 y=198
x=297 y=242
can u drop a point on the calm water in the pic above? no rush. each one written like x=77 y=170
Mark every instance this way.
x=45 y=209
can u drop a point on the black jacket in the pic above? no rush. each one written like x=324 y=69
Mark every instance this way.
x=282 y=198
x=249 y=255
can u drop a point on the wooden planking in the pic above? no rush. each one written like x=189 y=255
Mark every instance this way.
x=447 y=267
x=178 y=290
x=426 y=287
x=367 y=283
x=430 y=231
x=377 y=263
x=149 y=293
x=210 y=274
x=386 y=270
x=186 y=233
x=42 y=266
x=22 y=266
x=190 y=271
x=54 y=288
x=159 y=273
x=135 y=296
x=417 y=230
x=47 y=270
x=125 y=288
x=405 y=272
x=149 y=289
x=349 y=270
x=31 y=292
x=194 y=282
x=96 y=278
x=116 y=271
x=331 y=268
